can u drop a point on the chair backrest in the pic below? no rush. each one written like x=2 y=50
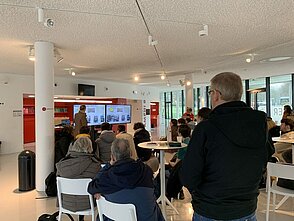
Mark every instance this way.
x=116 y=211
x=281 y=170
x=73 y=187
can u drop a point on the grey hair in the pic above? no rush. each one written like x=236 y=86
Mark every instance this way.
x=229 y=85
x=82 y=144
x=120 y=149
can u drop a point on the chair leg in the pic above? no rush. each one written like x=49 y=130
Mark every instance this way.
x=268 y=204
x=59 y=216
x=281 y=202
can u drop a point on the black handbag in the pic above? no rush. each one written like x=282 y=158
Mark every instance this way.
x=52 y=217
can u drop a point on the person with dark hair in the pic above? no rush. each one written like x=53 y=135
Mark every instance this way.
x=174 y=129
x=104 y=142
x=78 y=163
x=287 y=125
x=287 y=111
x=203 y=114
x=226 y=155
x=124 y=180
x=181 y=121
x=273 y=129
x=174 y=185
x=141 y=135
x=122 y=134
x=62 y=144
x=80 y=119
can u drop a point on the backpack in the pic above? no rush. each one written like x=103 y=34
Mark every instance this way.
x=53 y=217
x=50 y=182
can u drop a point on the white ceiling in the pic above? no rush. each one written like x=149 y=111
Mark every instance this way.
x=108 y=39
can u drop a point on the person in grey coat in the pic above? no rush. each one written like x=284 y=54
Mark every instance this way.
x=78 y=163
x=104 y=142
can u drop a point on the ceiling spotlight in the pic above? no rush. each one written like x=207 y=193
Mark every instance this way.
x=162 y=77
x=250 y=58
x=168 y=84
x=204 y=31
x=71 y=72
x=152 y=42
x=182 y=82
x=188 y=83
x=136 y=78
x=31 y=54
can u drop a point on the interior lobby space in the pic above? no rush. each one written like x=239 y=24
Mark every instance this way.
x=19 y=206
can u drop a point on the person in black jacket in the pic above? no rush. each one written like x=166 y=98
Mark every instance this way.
x=125 y=180
x=62 y=144
x=141 y=135
x=226 y=155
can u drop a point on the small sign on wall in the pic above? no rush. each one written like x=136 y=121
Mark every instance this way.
x=17 y=113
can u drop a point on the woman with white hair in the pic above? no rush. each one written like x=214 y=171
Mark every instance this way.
x=80 y=162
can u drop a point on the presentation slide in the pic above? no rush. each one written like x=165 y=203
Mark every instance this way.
x=95 y=113
x=118 y=114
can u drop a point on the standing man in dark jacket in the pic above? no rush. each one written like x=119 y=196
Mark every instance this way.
x=226 y=155
x=124 y=180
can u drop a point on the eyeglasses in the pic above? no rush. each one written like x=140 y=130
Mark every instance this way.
x=212 y=90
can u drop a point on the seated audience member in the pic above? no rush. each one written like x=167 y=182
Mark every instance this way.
x=141 y=135
x=84 y=132
x=124 y=180
x=79 y=163
x=273 y=129
x=174 y=185
x=190 y=123
x=174 y=129
x=287 y=111
x=289 y=184
x=121 y=133
x=203 y=114
x=181 y=121
x=287 y=125
x=62 y=144
x=104 y=142
x=188 y=114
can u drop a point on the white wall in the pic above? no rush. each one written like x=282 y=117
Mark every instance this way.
x=11 y=95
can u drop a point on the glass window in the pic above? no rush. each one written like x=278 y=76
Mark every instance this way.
x=177 y=103
x=258 y=97
x=243 y=98
x=280 y=95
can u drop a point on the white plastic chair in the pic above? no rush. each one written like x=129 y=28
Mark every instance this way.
x=278 y=170
x=74 y=187
x=116 y=211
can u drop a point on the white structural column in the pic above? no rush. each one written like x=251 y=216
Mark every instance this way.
x=44 y=111
x=189 y=91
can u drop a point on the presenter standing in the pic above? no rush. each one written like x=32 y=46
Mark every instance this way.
x=80 y=120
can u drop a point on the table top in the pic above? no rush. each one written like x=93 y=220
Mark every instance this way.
x=160 y=145
x=283 y=140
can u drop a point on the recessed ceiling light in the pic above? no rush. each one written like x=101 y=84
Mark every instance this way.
x=136 y=78
x=275 y=59
x=73 y=73
x=188 y=83
x=162 y=77
x=248 y=60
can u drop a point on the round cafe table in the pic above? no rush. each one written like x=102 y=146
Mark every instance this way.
x=162 y=146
